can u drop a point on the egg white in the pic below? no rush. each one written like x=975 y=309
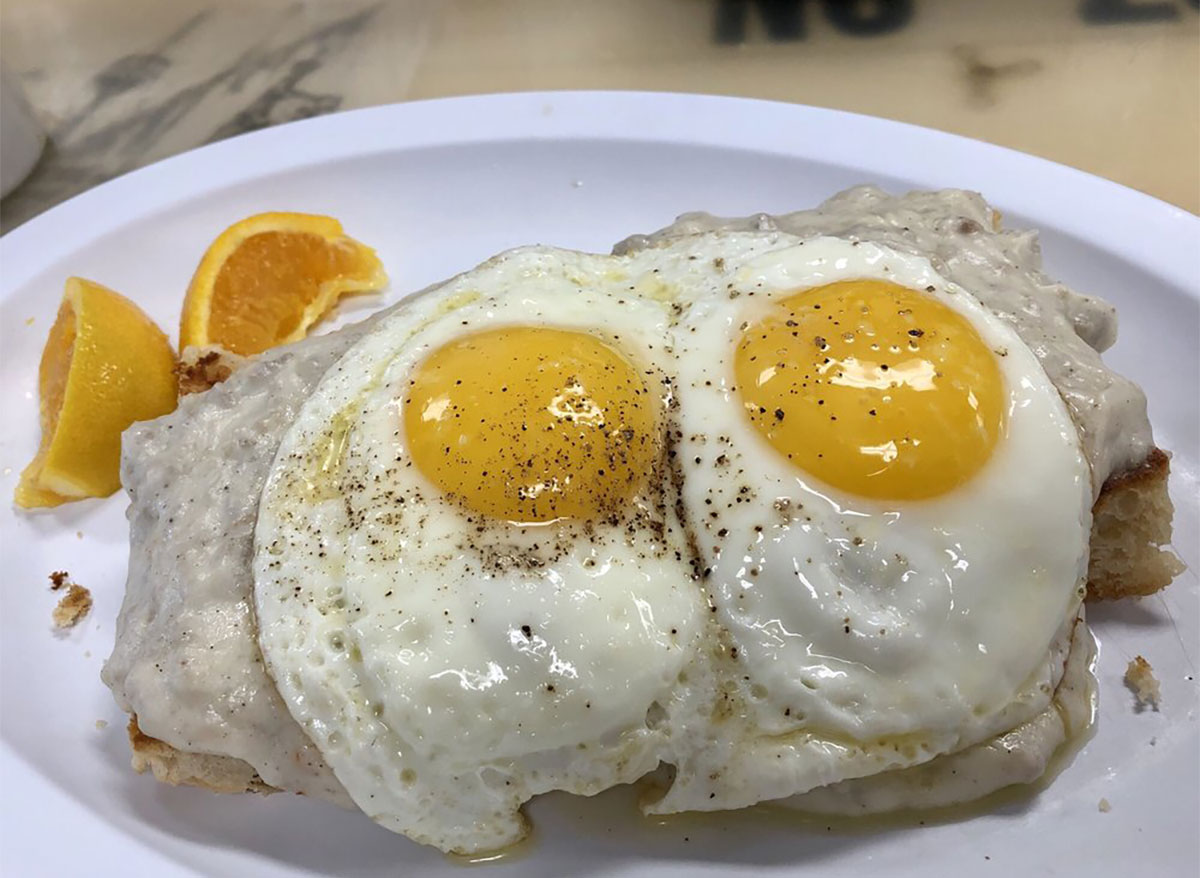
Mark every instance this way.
x=861 y=635
x=407 y=662
x=443 y=684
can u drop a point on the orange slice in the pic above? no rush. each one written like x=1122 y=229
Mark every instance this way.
x=105 y=365
x=267 y=279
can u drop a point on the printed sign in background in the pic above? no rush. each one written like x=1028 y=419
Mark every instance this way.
x=787 y=20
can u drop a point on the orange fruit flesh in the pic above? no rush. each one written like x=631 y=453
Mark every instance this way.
x=263 y=282
x=53 y=372
x=268 y=278
x=104 y=366
x=267 y=285
x=55 y=367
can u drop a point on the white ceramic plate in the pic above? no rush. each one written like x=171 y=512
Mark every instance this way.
x=437 y=187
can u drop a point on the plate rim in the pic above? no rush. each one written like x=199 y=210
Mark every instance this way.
x=586 y=116
x=661 y=117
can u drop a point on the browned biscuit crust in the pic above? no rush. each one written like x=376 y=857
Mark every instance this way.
x=201 y=368
x=1131 y=527
x=220 y=774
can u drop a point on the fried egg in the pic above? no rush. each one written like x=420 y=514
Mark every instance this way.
x=471 y=582
x=892 y=509
x=778 y=512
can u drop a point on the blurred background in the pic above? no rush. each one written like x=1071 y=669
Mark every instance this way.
x=1109 y=86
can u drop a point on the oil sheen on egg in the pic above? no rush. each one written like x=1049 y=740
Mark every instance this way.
x=892 y=508
x=470 y=579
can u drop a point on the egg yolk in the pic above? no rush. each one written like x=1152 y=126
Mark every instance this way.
x=532 y=424
x=874 y=388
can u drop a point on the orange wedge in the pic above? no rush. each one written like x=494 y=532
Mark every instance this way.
x=267 y=279
x=105 y=365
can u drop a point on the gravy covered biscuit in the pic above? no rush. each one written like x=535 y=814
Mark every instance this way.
x=800 y=506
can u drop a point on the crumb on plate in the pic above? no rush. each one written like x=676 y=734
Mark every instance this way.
x=1140 y=679
x=73 y=607
x=1104 y=806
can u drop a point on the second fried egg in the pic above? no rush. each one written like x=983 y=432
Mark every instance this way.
x=892 y=509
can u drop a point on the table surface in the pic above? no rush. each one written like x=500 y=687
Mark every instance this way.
x=1109 y=86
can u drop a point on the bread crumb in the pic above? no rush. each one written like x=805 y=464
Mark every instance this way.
x=101 y=724
x=202 y=368
x=58 y=579
x=73 y=607
x=1104 y=806
x=1140 y=679
x=79 y=535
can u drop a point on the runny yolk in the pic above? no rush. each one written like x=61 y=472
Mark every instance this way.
x=531 y=424
x=874 y=388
